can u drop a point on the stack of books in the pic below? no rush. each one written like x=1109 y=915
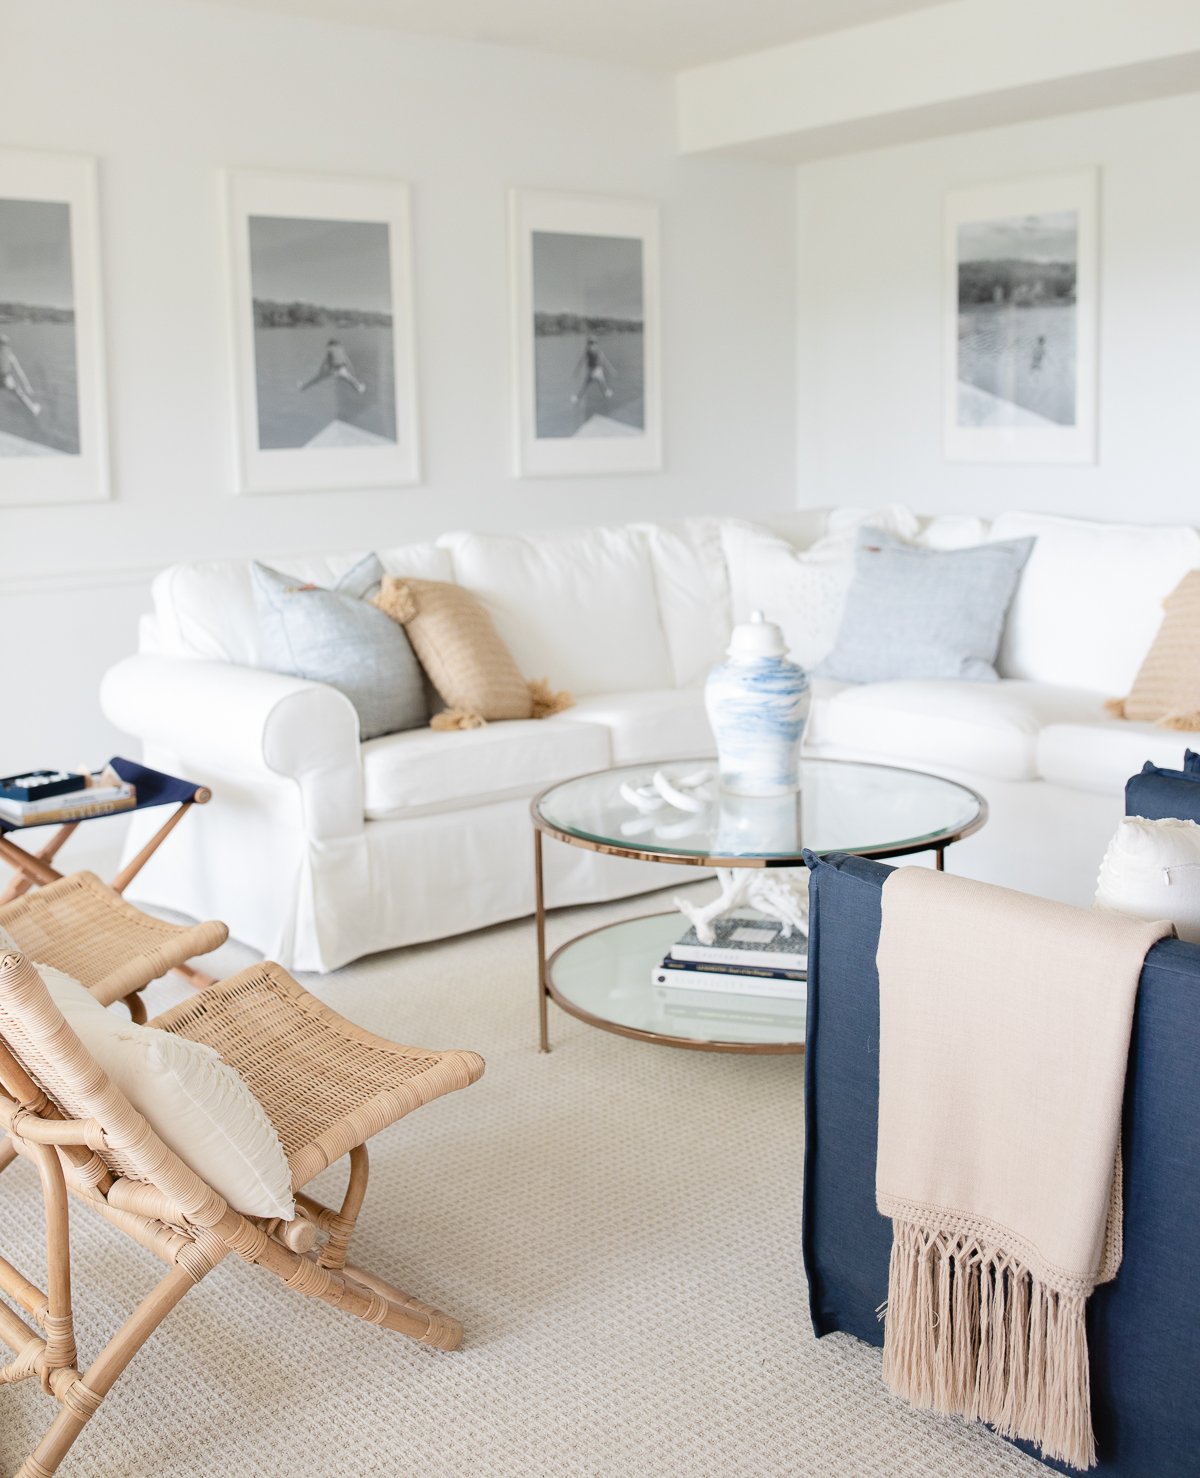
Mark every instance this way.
x=57 y=796
x=749 y=956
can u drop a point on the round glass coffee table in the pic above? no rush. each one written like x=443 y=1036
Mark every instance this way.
x=605 y=977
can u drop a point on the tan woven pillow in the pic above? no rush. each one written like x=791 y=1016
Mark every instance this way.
x=462 y=653
x=1166 y=690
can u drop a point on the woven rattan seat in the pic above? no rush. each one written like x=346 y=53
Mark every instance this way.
x=327 y=1085
x=82 y=926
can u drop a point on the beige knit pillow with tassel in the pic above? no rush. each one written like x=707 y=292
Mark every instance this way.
x=464 y=656
x=1166 y=690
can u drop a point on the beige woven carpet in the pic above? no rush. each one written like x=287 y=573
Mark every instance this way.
x=617 y=1224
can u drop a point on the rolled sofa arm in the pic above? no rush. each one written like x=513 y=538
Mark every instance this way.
x=221 y=719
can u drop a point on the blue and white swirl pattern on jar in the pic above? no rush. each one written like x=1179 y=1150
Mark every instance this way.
x=757 y=704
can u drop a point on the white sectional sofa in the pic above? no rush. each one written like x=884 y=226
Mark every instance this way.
x=317 y=849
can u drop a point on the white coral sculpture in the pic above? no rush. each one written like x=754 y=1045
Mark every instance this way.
x=779 y=895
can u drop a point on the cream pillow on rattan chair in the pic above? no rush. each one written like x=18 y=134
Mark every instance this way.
x=196 y=1103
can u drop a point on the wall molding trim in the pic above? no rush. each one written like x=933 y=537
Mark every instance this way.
x=59 y=580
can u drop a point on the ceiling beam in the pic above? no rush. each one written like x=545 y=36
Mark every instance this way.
x=956 y=66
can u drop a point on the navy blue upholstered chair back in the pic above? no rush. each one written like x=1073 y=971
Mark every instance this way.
x=1158 y=794
x=1143 y=1329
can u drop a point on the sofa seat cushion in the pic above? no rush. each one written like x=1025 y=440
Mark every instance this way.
x=423 y=770
x=1101 y=756
x=985 y=728
x=642 y=727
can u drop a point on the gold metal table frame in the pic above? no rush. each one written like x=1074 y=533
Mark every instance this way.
x=937 y=843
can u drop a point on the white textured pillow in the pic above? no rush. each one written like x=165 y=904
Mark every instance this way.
x=1152 y=871
x=804 y=590
x=196 y=1104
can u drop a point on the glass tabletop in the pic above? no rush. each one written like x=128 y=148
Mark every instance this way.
x=674 y=809
x=608 y=977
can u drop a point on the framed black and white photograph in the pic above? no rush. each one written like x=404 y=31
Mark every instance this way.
x=1020 y=321
x=585 y=334
x=53 y=443
x=323 y=332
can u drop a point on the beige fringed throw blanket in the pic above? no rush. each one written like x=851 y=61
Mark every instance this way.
x=1004 y=1032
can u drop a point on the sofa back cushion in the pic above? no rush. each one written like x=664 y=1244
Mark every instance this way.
x=207 y=609
x=577 y=607
x=1089 y=603
x=691 y=583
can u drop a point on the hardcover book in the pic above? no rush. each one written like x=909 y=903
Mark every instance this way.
x=764 y=987
x=746 y=941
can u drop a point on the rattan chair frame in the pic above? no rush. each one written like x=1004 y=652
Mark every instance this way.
x=59 y=1110
x=85 y=928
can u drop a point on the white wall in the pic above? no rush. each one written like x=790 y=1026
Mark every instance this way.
x=164 y=93
x=869 y=319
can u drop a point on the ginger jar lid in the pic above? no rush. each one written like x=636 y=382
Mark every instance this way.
x=757 y=637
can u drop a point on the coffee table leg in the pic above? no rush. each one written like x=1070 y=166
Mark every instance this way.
x=539 y=890
x=940 y=863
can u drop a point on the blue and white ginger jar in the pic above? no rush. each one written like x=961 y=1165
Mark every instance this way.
x=757 y=705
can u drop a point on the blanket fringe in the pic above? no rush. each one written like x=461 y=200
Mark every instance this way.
x=970 y=1332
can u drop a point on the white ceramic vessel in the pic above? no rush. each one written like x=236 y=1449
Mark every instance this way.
x=757 y=704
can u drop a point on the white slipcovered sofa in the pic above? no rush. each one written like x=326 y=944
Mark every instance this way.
x=317 y=848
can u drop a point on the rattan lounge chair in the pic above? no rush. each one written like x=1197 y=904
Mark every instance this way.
x=326 y=1084
x=84 y=927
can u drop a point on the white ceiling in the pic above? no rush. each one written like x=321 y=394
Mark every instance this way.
x=667 y=34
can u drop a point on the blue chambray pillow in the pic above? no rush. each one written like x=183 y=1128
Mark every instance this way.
x=924 y=613
x=337 y=637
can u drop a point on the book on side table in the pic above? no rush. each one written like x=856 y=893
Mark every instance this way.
x=44 y=797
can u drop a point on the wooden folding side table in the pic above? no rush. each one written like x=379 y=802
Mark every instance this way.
x=153 y=789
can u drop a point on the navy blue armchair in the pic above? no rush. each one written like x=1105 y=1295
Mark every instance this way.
x=1144 y=1328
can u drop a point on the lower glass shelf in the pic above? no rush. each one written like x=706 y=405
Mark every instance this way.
x=606 y=978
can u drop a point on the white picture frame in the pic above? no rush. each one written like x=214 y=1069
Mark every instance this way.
x=1020 y=317
x=323 y=333
x=53 y=422
x=586 y=356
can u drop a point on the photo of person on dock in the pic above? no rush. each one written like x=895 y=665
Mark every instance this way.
x=14 y=379
x=336 y=362
x=588 y=329
x=39 y=372
x=598 y=368
x=324 y=345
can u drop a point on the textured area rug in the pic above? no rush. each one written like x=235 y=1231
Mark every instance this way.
x=617 y=1224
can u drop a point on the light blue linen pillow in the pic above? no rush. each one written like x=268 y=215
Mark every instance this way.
x=922 y=613
x=336 y=637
